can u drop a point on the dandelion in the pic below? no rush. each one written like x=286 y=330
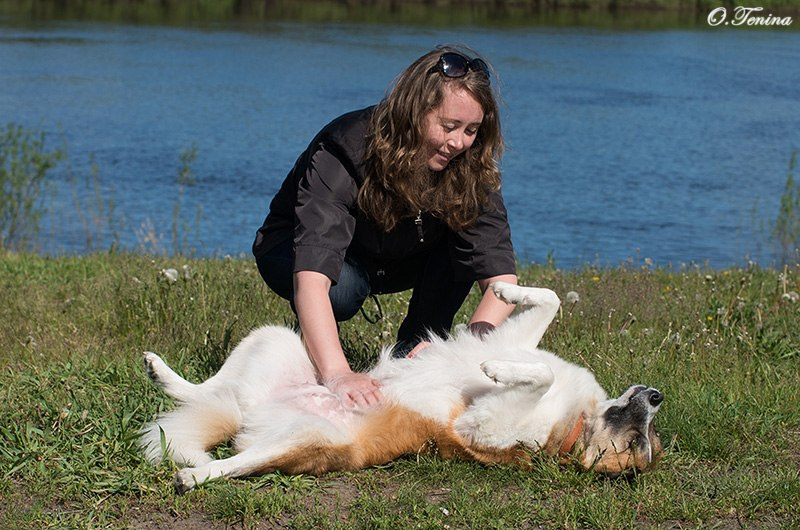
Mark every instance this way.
x=595 y=278
x=170 y=274
x=791 y=296
x=573 y=297
x=187 y=272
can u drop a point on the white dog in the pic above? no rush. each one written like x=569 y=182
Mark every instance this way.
x=495 y=400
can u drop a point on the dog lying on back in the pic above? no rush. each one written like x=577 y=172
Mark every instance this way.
x=493 y=400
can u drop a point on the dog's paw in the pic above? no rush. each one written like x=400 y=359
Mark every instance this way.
x=152 y=365
x=524 y=296
x=497 y=371
x=505 y=291
x=518 y=373
x=185 y=481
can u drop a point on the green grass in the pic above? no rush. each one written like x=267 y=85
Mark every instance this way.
x=722 y=345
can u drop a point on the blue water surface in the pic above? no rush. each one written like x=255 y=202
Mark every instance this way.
x=667 y=145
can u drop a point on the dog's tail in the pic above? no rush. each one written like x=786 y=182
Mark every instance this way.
x=185 y=434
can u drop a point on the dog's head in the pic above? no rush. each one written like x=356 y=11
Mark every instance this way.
x=621 y=437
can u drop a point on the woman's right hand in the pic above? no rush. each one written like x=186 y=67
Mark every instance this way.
x=355 y=389
x=321 y=339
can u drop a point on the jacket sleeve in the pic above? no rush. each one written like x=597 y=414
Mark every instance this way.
x=324 y=222
x=485 y=250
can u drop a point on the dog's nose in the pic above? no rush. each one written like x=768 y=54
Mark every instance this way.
x=656 y=397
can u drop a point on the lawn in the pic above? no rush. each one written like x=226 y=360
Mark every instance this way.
x=722 y=346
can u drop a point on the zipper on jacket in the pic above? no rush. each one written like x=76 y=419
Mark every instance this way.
x=418 y=222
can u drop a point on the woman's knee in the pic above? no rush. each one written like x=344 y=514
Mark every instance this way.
x=276 y=267
x=349 y=293
x=346 y=296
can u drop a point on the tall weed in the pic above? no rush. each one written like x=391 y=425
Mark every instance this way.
x=786 y=230
x=24 y=164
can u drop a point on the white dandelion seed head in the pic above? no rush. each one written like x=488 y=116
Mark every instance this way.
x=573 y=297
x=170 y=274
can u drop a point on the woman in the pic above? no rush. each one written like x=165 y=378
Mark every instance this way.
x=403 y=195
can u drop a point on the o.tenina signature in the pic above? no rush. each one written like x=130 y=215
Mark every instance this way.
x=746 y=16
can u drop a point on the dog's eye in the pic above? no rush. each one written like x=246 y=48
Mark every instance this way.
x=638 y=440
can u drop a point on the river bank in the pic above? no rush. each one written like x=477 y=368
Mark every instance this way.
x=617 y=13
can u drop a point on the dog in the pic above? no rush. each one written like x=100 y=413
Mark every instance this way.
x=496 y=400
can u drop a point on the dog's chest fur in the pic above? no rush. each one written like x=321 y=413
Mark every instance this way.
x=446 y=379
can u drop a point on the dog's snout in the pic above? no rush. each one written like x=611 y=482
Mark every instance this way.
x=656 y=397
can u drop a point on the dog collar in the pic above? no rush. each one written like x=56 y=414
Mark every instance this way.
x=572 y=438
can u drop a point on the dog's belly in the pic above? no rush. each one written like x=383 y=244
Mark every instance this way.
x=319 y=401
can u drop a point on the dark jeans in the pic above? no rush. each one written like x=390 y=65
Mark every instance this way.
x=435 y=299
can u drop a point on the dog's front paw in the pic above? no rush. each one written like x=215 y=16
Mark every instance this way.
x=507 y=292
x=518 y=373
x=185 y=481
x=524 y=296
x=497 y=371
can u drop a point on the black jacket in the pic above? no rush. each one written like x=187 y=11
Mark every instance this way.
x=316 y=206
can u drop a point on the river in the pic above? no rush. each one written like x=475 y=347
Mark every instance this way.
x=663 y=146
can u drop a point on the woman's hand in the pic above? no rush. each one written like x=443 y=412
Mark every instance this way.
x=321 y=340
x=481 y=328
x=418 y=348
x=355 y=389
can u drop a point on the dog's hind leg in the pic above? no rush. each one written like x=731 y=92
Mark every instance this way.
x=290 y=441
x=538 y=308
x=173 y=385
x=246 y=463
x=294 y=455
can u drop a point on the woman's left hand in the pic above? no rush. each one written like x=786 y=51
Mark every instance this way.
x=480 y=329
x=418 y=348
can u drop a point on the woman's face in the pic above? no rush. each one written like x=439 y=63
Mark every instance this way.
x=451 y=128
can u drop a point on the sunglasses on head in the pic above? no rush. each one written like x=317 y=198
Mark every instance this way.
x=455 y=65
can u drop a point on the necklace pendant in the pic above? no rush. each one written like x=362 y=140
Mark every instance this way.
x=418 y=222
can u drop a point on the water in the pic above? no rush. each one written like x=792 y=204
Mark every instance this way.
x=670 y=145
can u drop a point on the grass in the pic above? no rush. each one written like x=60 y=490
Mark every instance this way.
x=722 y=346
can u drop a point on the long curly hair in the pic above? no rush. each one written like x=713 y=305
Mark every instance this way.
x=398 y=184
